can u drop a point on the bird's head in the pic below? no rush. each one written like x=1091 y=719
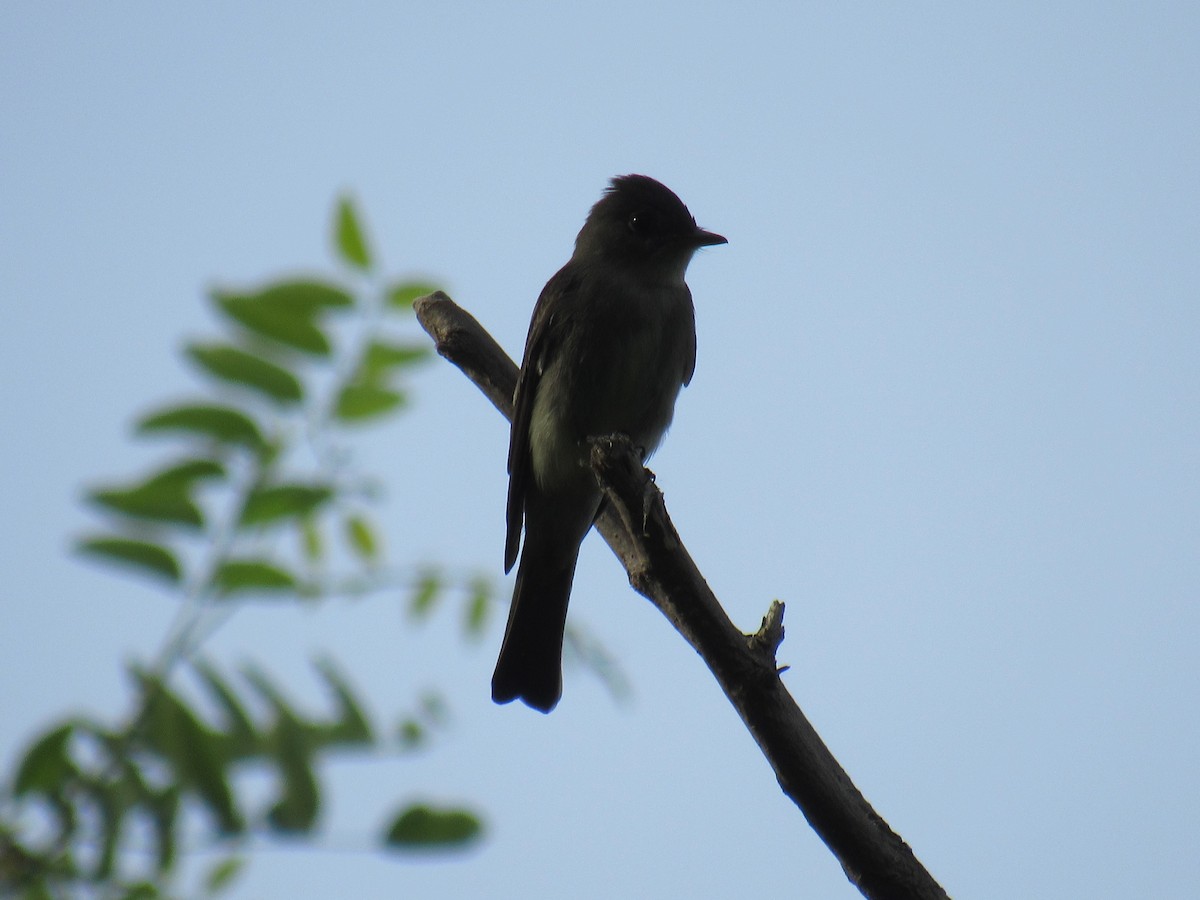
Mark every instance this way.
x=641 y=223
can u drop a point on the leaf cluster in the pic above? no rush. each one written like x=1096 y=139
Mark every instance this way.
x=258 y=478
x=278 y=375
x=100 y=788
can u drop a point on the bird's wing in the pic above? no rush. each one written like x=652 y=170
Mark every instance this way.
x=689 y=328
x=550 y=315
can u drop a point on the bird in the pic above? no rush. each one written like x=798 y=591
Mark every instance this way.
x=611 y=344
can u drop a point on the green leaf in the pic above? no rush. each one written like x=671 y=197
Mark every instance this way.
x=291 y=326
x=142 y=555
x=162 y=497
x=140 y=890
x=269 y=691
x=297 y=299
x=247 y=370
x=348 y=235
x=222 y=875
x=269 y=504
x=164 y=812
x=110 y=806
x=429 y=585
x=291 y=747
x=411 y=734
x=362 y=539
x=352 y=725
x=221 y=423
x=189 y=471
x=240 y=733
x=300 y=797
x=157 y=503
x=423 y=827
x=402 y=294
x=47 y=764
x=35 y=887
x=382 y=357
x=359 y=401
x=479 y=605
x=304 y=296
x=195 y=753
x=238 y=576
x=310 y=533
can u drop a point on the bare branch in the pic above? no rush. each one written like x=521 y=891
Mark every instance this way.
x=636 y=526
x=463 y=341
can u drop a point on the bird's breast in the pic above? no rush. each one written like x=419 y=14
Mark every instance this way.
x=620 y=368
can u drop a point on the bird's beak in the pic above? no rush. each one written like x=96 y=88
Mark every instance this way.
x=707 y=238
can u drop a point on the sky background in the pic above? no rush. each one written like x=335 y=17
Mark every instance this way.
x=946 y=407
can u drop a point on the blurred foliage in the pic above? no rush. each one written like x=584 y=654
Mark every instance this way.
x=256 y=484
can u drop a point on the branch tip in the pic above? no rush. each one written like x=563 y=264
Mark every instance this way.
x=770 y=634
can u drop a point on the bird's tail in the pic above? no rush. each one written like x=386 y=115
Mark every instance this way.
x=530 y=664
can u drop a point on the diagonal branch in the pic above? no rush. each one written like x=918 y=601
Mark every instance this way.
x=636 y=526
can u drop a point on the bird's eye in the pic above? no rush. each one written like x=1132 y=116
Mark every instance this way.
x=642 y=222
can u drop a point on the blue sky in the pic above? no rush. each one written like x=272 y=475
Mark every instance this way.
x=945 y=406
